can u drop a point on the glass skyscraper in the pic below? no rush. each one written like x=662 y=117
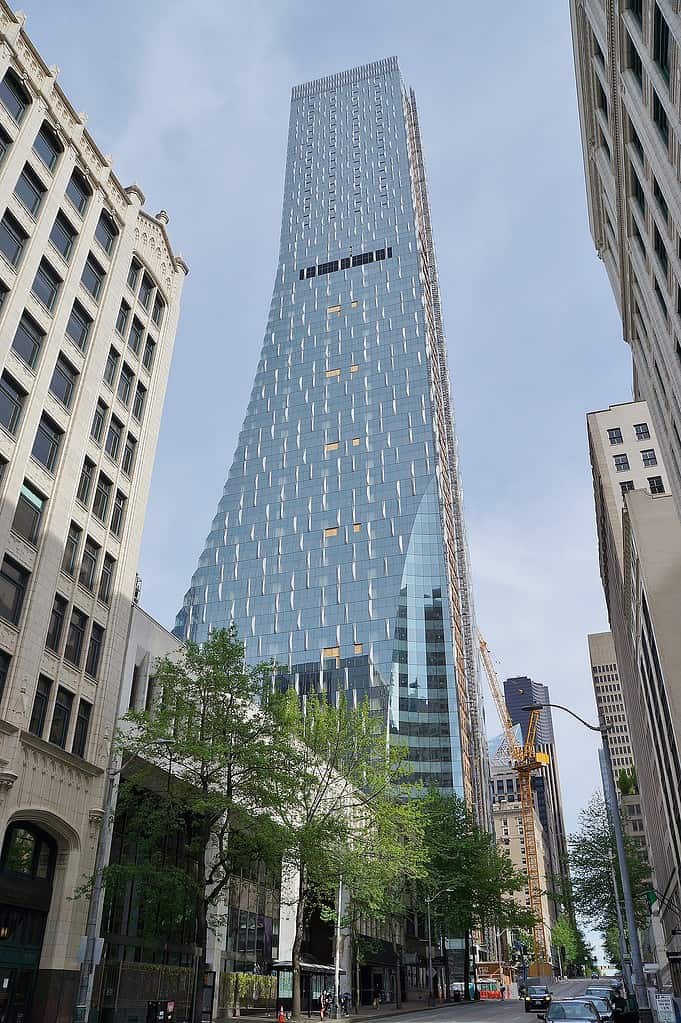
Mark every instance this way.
x=338 y=546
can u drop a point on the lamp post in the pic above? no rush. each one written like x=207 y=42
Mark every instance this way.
x=428 y=900
x=645 y=1014
x=87 y=967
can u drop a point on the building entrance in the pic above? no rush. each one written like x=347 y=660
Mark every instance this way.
x=26 y=876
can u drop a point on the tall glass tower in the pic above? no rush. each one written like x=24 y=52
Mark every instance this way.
x=338 y=546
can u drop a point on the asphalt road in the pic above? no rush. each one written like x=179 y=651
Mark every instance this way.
x=512 y=1011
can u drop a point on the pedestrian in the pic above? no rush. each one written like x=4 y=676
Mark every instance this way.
x=503 y=991
x=345 y=1003
x=323 y=1003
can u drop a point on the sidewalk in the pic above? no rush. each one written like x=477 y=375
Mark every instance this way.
x=366 y=1013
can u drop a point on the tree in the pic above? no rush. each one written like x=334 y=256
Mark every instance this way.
x=479 y=879
x=627 y=781
x=592 y=856
x=564 y=936
x=611 y=944
x=207 y=754
x=337 y=809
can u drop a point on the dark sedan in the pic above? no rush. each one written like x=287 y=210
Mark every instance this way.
x=603 y=1006
x=537 y=999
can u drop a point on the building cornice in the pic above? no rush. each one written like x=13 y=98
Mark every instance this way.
x=61 y=755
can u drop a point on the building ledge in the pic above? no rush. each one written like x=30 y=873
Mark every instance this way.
x=57 y=753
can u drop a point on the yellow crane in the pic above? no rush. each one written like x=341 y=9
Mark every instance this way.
x=525 y=759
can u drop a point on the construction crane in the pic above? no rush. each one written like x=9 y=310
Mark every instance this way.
x=525 y=759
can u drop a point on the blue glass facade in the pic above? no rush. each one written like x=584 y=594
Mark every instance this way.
x=337 y=544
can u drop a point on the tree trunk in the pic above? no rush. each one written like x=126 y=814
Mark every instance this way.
x=297 y=944
x=466 y=966
x=201 y=936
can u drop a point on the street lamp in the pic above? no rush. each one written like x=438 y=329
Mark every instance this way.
x=645 y=1014
x=428 y=900
x=87 y=967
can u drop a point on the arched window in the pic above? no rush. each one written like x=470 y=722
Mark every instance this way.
x=14 y=96
x=28 y=852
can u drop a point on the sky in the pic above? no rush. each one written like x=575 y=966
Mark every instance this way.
x=193 y=100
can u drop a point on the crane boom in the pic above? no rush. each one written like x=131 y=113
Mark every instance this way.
x=525 y=759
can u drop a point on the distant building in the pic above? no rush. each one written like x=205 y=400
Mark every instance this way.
x=639 y=538
x=521 y=692
x=610 y=700
x=626 y=60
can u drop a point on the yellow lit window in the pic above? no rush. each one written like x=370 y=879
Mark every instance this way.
x=333 y=372
x=355 y=442
x=331 y=531
x=332 y=652
x=333 y=445
x=358 y=648
x=354 y=304
x=353 y=369
x=333 y=309
x=357 y=527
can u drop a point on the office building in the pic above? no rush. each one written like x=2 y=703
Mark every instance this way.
x=625 y=54
x=639 y=540
x=610 y=700
x=521 y=692
x=338 y=546
x=89 y=300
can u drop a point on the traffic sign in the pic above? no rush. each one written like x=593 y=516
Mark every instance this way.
x=664 y=1005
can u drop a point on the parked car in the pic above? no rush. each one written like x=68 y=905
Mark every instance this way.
x=538 y=998
x=571 y=1009
x=599 y=992
x=603 y=1006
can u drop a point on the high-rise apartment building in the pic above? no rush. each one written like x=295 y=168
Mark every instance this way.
x=338 y=545
x=639 y=540
x=625 y=54
x=89 y=300
x=609 y=699
x=521 y=692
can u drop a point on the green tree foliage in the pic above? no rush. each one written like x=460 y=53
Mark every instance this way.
x=611 y=944
x=341 y=816
x=627 y=781
x=592 y=854
x=564 y=936
x=205 y=756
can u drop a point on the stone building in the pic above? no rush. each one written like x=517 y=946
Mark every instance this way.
x=89 y=300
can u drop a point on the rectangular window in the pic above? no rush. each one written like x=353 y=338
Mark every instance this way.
x=27 y=340
x=330 y=531
x=46 y=285
x=78 y=327
x=63 y=236
x=634 y=62
x=100 y=506
x=626 y=486
x=61 y=717
x=661 y=44
x=98 y=421
x=637 y=190
x=621 y=463
x=113 y=439
x=28 y=514
x=13 y=583
x=642 y=431
x=106 y=232
x=332 y=373
x=355 y=442
x=148 y=357
x=615 y=435
x=146 y=290
x=94 y=652
x=122 y=318
x=40 y=704
x=128 y=462
x=138 y=403
x=56 y=626
x=661 y=202
x=5 y=143
x=111 y=367
x=73 y=649
x=656 y=485
x=136 y=335
x=157 y=314
x=118 y=513
x=106 y=581
x=12 y=238
x=63 y=383
x=11 y=403
x=5 y=661
x=88 y=564
x=636 y=8
x=46 y=444
x=331 y=446
x=68 y=564
x=660 y=250
x=660 y=118
x=93 y=277
x=81 y=729
x=13 y=96
x=78 y=191
x=649 y=457
x=85 y=482
x=134 y=274
x=29 y=190
x=125 y=384
x=47 y=146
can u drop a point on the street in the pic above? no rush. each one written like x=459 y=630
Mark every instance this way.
x=491 y=1011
